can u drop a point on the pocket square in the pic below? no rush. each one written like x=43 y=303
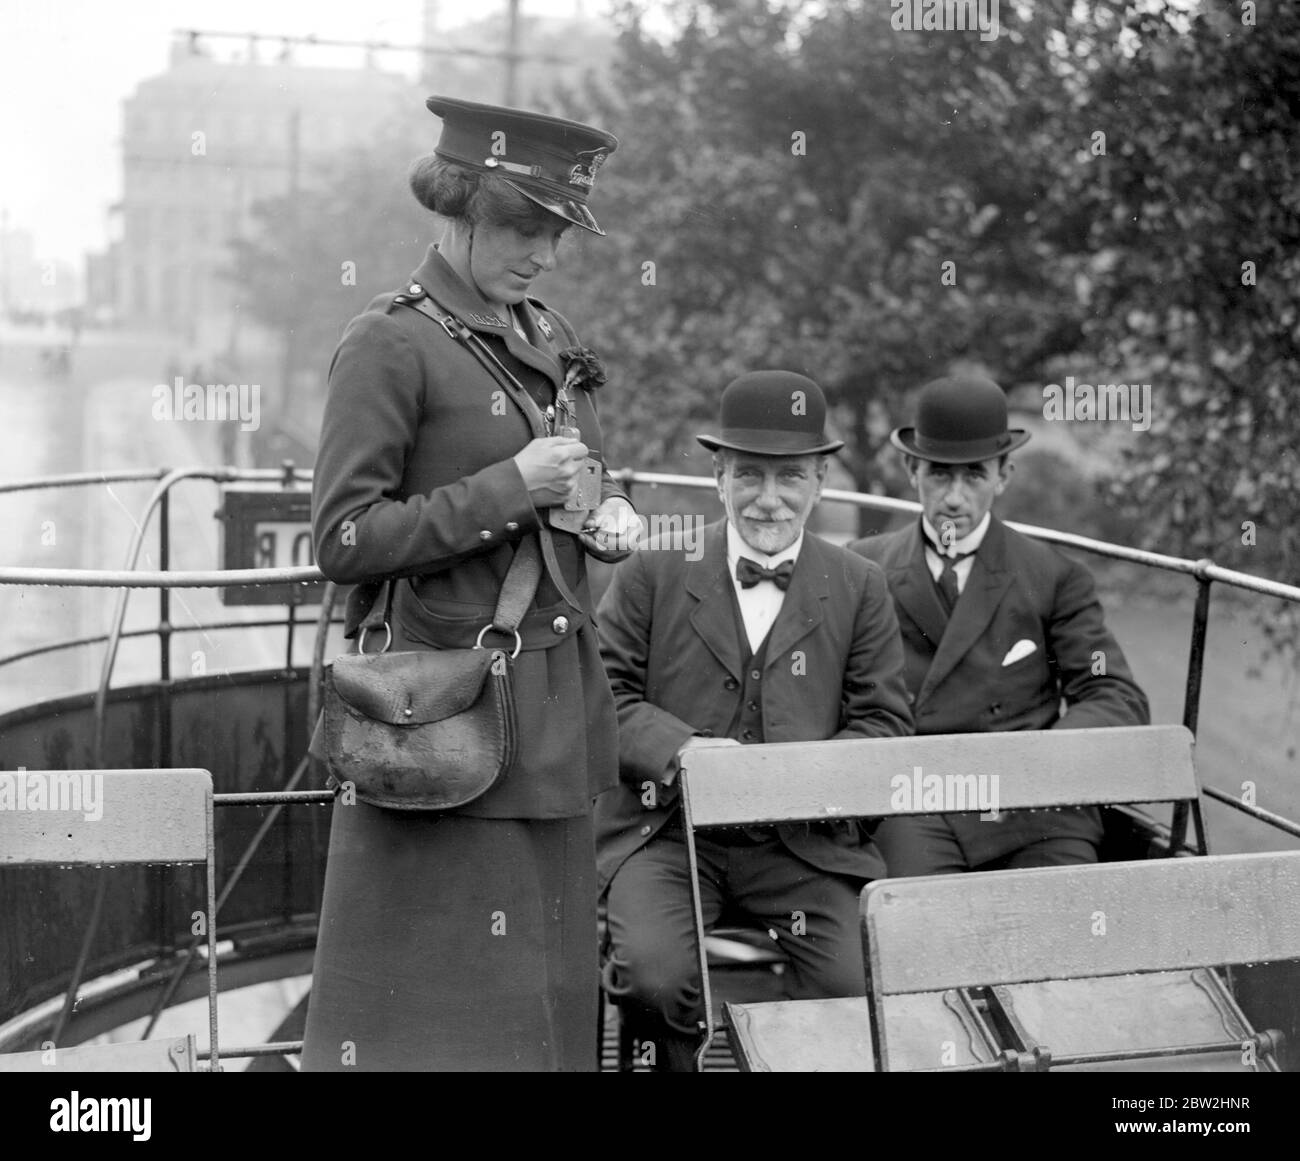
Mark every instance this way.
x=1022 y=648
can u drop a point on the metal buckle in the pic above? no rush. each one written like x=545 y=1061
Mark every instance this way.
x=388 y=638
x=519 y=643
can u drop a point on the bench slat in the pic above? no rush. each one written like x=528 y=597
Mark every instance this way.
x=175 y=1055
x=835 y=1035
x=1015 y=926
x=860 y=778
x=104 y=816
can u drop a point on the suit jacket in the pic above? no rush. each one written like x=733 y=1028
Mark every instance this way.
x=671 y=647
x=415 y=479
x=957 y=673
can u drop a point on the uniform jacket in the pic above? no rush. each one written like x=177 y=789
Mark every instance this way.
x=414 y=478
x=671 y=646
x=959 y=678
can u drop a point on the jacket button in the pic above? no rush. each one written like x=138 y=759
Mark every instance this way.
x=748 y=735
x=645 y=830
x=755 y=675
x=752 y=706
x=560 y=624
x=731 y=683
x=415 y=288
x=511 y=526
x=485 y=535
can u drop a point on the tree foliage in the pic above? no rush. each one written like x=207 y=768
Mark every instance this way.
x=1100 y=175
x=799 y=185
x=792 y=179
x=1195 y=233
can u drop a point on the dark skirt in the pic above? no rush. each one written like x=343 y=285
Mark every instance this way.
x=455 y=944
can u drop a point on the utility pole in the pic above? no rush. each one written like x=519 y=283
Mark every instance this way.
x=290 y=333
x=512 y=53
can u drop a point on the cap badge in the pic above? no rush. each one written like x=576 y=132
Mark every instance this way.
x=584 y=173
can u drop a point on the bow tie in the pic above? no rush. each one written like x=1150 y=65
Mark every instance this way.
x=750 y=572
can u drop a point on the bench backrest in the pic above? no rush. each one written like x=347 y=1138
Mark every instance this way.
x=876 y=777
x=112 y=817
x=1049 y=923
x=105 y=816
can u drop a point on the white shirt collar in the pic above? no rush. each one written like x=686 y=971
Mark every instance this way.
x=967 y=544
x=736 y=548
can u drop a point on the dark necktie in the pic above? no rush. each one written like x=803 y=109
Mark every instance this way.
x=750 y=572
x=948 y=577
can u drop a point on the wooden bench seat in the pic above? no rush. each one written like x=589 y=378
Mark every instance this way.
x=874 y=778
x=1106 y=967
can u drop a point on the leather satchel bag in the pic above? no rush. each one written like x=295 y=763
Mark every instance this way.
x=428 y=730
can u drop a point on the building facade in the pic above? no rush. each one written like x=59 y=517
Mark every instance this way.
x=202 y=144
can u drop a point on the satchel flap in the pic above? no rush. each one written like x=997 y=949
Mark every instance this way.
x=410 y=689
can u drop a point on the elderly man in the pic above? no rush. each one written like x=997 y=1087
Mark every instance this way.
x=998 y=631
x=769 y=635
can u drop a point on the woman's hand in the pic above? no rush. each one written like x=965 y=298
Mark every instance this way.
x=550 y=468
x=612 y=531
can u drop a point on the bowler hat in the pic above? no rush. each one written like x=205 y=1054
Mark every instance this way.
x=549 y=160
x=773 y=413
x=959 y=420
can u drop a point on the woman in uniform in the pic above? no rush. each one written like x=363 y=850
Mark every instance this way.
x=466 y=939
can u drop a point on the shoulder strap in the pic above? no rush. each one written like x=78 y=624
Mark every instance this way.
x=480 y=350
x=460 y=333
x=517 y=592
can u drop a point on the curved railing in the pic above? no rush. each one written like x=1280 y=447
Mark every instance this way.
x=1204 y=572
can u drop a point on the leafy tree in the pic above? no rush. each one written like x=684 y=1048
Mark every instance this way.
x=316 y=260
x=792 y=179
x=1122 y=264
x=1195 y=213
x=799 y=183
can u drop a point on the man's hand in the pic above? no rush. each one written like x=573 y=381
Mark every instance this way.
x=612 y=531
x=694 y=742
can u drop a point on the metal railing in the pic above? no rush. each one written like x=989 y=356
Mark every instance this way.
x=1204 y=572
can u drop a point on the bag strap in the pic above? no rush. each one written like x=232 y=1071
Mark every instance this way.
x=517 y=592
x=459 y=332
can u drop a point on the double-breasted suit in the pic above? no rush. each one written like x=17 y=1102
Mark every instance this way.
x=460 y=939
x=679 y=665
x=1026 y=640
